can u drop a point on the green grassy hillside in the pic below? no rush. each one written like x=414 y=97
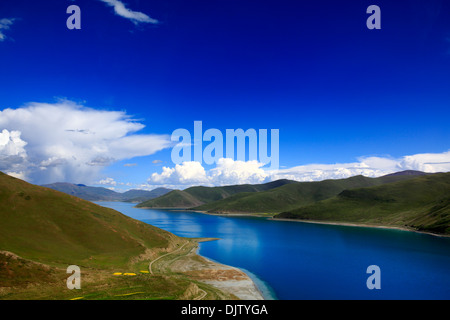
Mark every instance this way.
x=51 y=227
x=421 y=203
x=43 y=231
x=173 y=199
x=293 y=195
x=196 y=196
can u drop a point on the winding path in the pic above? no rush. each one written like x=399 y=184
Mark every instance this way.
x=150 y=264
x=203 y=292
x=200 y=297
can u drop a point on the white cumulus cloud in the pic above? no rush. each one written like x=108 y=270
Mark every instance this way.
x=69 y=142
x=226 y=172
x=187 y=173
x=108 y=182
x=134 y=16
x=427 y=162
x=11 y=144
x=13 y=155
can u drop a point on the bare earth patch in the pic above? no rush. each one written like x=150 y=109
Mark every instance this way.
x=225 y=278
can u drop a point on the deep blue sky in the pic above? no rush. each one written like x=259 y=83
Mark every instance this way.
x=312 y=69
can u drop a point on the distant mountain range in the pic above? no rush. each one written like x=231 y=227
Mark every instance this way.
x=273 y=197
x=103 y=194
x=408 y=173
x=197 y=196
x=411 y=199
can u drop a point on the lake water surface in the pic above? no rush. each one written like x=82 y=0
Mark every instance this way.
x=293 y=260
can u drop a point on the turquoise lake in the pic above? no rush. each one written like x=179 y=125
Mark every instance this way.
x=294 y=260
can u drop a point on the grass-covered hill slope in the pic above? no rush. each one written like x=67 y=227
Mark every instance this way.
x=196 y=196
x=293 y=195
x=52 y=227
x=421 y=203
x=43 y=231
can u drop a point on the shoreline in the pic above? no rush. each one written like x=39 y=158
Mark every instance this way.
x=244 y=289
x=229 y=281
x=349 y=224
x=345 y=224
x=259 y=215
x=270 y=216
x=253 y=291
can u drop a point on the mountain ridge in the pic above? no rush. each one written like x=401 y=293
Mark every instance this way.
x=195 y=196
x=104 y=194
x=269 y=198
x=421 y=203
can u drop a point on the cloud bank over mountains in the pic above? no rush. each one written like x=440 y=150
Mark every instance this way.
x=368 y=166
x=228 y=171
x=65 y=141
